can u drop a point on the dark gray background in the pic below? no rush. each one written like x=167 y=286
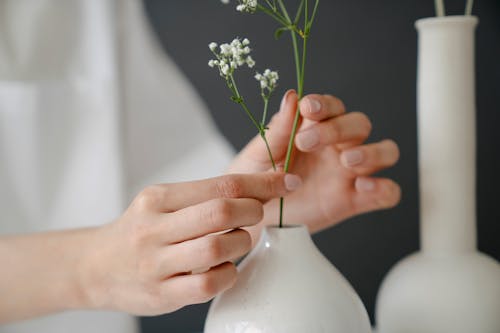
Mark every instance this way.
x=364 y=52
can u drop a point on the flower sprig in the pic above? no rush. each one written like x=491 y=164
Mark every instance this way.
x=228 y=58
x=299 y=27
x=268 y=82
x=231 y=56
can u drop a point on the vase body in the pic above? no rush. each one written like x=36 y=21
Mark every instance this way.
x=285 y=285
x=448 y=286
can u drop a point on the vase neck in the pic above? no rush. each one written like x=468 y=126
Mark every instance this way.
x=447 y=133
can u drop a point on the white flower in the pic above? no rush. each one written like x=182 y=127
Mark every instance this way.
x=268 y=80
x=225 y=49
x=212 y=46
x=230 y=56
x=250 y=62
x=249 y=6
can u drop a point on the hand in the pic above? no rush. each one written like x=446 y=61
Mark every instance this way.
x=331 y=159
x=143 y=262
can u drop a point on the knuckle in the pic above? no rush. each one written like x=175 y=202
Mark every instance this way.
x=336 y=132
x=230 y=186
x=258 y=210
x=213 y=250
x=232 y=273
x=219 y=212
x=246 y=241
x=144 y=268
x=140 y=234
x=154 y=301
x=206 y=286
x=254 y=210
x=149 y=198
x=270 y=184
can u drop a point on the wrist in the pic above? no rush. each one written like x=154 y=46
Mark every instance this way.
x=87 y=287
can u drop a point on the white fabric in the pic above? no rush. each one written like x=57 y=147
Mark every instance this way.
x=91 y=111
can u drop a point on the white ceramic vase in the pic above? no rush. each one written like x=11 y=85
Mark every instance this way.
x=285 y=285
x=448 y=286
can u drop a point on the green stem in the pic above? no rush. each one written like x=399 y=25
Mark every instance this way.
x=264 y=114
x=263 y=135
x=273 y=14
x=259 y=127
x=284 y=11
x=303 y=71
x=263 y=132
x=300 y=71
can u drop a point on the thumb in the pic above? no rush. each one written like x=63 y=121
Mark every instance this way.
x=281 y=125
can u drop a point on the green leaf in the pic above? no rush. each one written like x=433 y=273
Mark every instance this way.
x=279 y=32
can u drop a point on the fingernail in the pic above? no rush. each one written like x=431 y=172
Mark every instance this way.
x=284 y=99
x=364 y=184
x=307 y=139
x=292 y=182
x=314 y=105
x=351 y=158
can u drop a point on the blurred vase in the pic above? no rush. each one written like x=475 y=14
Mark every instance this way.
x=448 y=286
x=285 y=285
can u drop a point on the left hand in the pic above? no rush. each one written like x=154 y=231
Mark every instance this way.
x=334 y=164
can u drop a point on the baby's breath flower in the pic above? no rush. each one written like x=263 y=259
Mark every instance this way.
x=250 y=62
x=249 y=6
x=268 y=80
x=212 y=46
x=230 y=56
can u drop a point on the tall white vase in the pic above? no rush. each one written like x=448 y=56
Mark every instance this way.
x=285 y=285
x=448 y=286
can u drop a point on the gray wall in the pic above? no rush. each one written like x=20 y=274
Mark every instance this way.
x=363 y=51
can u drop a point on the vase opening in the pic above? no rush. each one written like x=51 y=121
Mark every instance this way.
x=286 y=226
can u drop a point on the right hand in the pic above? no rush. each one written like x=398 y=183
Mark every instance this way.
x=143 y=262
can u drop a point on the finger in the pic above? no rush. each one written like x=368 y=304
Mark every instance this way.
x=200 y=288
x=255 y=156
x=205 y=252
x=370 y=158
x=375 y=194
x=261 y=186
x=320 y=107
x=354 y=127
x=210 y=217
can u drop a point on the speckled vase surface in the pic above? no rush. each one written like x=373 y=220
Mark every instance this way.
x=285 y=285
